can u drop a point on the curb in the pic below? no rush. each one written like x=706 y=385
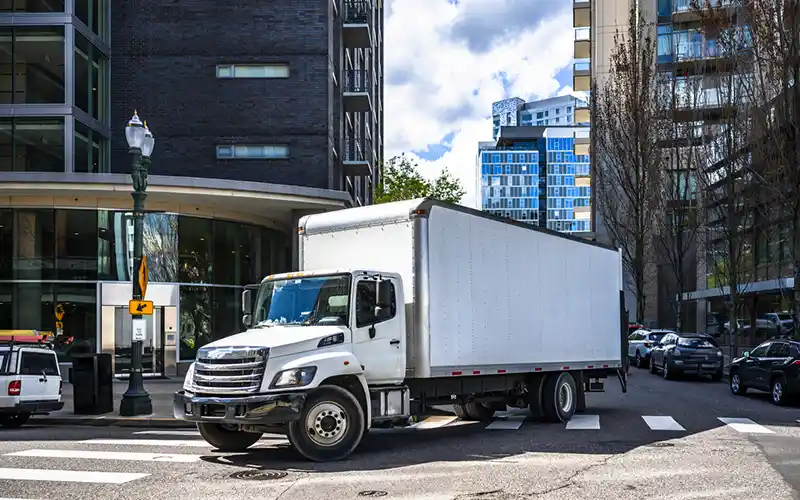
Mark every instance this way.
x=102 y=421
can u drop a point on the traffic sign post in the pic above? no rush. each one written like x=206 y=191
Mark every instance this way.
x=136 y=400
x=140 y=307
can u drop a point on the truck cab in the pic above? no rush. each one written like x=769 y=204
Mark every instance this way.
x=335 y=328
x=30 y=377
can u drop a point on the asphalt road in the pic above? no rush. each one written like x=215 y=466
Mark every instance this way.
x=610 y=451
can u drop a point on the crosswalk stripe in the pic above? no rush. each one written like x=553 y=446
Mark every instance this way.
x=744 y=425
x=435 y=421
x=69 y=476
x=188 y=443
x=107 y=455
x=510 y=423
x=169 y=433
x=662 y=423
x=584 y=422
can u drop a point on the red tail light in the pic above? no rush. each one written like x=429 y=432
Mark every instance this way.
x=60 y=387
x=14 y=387
x=796 y=363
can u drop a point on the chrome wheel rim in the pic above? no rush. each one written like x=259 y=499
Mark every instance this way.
x=326 y=423
x=777 y=392
x=735 y=383
x=565 y=397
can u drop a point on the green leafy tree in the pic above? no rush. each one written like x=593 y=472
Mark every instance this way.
x=401 y=180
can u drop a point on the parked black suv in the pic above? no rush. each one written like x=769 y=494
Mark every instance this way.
x=687 y=353
x=773 y=366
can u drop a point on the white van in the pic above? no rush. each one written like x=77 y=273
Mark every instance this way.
x=30 y=378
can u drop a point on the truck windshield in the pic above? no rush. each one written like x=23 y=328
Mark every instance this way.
x=318 y=300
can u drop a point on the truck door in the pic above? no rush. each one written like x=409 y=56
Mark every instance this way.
x=38 y=371
x=378 y=341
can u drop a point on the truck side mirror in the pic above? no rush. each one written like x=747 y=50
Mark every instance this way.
x=384 y=294
x=247 y=320
x=247 y=302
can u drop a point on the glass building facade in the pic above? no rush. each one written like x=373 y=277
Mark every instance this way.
x=54 y=85
x=537 y=180
x=52 y=257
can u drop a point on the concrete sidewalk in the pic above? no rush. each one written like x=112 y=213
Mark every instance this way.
x=161 y=391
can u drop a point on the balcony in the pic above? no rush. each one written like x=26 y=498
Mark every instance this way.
x=581 y=13
x=583 y=43
x=581 y=76
x=582 y=142
x=356 y=159
x=357 y=91
x=582 y=114
x=356 y=30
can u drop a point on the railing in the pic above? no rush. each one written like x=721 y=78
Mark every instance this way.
x=352 y=150
x=357 y=11
x=357 y=80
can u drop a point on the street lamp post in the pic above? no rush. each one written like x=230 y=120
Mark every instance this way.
x=136 y=400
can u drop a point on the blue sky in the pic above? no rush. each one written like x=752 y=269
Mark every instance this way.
x=446 y=61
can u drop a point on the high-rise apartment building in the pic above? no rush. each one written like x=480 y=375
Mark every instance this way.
x=531 y=174
x=559 y=111
x=261 y=112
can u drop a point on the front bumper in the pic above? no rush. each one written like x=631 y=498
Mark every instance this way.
x=35 y=407
x=696 y=368
x=262 y=409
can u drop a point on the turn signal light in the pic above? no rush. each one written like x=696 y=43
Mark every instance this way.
x=60 y=387
x=14 y=388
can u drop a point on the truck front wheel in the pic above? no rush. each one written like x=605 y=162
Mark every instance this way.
x=227 y=437
x=330 y=427
x=560 y=397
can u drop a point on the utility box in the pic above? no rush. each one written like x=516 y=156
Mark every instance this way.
x=92 y=384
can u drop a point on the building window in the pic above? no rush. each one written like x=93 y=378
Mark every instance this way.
x=94 y=14
x=253 y=71
x=91 y=150
x=36 y=6
x=253 y=152
x=32 y=145
x=91 y=79
x=37 y=58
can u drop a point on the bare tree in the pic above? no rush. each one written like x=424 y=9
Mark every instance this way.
x=625 y=119
x=774 y=32
x=726 y=178
x=679 y=220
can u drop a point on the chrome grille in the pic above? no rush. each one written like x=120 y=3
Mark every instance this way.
x=229 y=370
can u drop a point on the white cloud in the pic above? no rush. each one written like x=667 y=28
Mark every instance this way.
x=432 y=76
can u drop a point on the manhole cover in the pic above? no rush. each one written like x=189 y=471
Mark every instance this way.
x=372 y=493
x=258 y=475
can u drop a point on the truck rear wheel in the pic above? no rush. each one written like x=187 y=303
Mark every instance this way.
x=14 y=421
x=330 y=427
x=227 y=437
x=560 y=397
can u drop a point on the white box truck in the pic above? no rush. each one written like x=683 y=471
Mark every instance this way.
x=402 y=306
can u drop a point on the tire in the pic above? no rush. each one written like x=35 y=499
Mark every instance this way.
x=638 y=360
x=461 y=412
x=326 y=411
x=227 y=439
x=737 y=386
x=778 y=392
x=652 y=366
x=479 y=412
x=668 y=375
x=560 y=397
x=14 y=421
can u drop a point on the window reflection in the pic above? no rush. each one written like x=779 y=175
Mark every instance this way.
x=38 y=6
x=32 y=144
x=196 y=320
x=90 y=78
x=227 y=312
x=89 y=150
x=34 y=245
x=6 y=244
x=195 y=242
x=32 y=65
x=94 y=14
x=159 y=244
x=76 y=251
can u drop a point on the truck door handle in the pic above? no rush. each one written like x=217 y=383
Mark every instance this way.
x=394 y=342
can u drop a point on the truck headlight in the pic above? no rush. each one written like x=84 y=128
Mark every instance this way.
x=187 y=381
x=296 y=377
